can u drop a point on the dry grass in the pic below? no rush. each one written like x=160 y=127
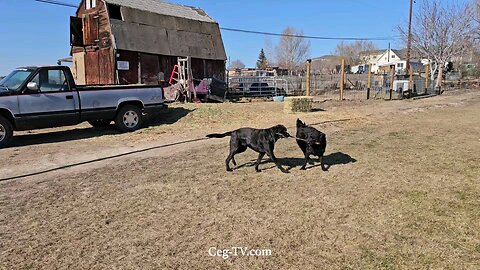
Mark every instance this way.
x=410 y=201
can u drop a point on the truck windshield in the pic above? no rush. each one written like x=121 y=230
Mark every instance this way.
x=15 y=79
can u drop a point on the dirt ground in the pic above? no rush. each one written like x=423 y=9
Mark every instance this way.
x=401 y=193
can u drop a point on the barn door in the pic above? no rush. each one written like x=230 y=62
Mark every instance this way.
x=90 y=29
x=149 y=69
x=99 y=67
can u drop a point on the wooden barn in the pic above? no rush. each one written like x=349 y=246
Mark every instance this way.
x=139 y=41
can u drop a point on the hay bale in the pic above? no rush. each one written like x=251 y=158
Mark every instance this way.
x=298 y=104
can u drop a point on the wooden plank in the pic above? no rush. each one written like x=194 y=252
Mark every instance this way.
x=92 y=68
x=106 y=70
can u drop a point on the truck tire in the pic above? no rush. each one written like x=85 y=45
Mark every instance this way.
x=100 y=123
x=6 y=131
x=129 y=118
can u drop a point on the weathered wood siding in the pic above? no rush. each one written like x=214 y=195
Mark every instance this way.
x=149 y=42
x=99 y=64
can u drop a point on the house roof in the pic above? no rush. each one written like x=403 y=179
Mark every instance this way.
x=402 y=54
x=373 y=52
x=165 y=8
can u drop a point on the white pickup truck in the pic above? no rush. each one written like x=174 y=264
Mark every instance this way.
x=45 y=97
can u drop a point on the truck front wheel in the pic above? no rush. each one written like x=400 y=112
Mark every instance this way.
x=129 y=118
x=6 y=131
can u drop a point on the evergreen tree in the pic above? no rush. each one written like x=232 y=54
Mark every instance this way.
x=262 y=62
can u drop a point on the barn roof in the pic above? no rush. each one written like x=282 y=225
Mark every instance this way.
x=156 y=27
x=164 y=8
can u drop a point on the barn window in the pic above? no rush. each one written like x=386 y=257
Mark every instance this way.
x=76 y=31
x=90 y=4
x=114 y=12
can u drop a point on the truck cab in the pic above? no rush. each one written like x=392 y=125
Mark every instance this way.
x=45 y=97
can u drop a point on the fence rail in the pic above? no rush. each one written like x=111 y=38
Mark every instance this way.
x=356 y=86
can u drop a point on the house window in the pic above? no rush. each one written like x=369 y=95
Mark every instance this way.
x=393 y=56
x=400 y=65
x=90 y=4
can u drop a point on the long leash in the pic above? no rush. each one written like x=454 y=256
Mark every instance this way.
x=300 y=139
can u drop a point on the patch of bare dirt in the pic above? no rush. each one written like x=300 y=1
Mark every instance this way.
x=402 y=192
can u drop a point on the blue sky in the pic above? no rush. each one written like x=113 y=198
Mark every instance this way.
x=34 y=33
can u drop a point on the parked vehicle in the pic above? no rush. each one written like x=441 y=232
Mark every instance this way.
x=45 y=97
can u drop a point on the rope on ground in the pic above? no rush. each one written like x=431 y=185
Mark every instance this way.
x=128 y=154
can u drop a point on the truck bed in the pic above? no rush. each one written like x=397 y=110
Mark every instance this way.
x=113 y=87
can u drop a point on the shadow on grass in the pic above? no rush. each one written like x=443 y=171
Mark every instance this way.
x=167 y=117
x=329 y=161
x=164 y=117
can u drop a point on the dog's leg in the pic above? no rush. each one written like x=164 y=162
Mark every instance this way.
x=324 y=168
x=227 y=164
x=227 y=161
x=307 y=157
x=260 y=157
x=274 y=159
x=234 y=162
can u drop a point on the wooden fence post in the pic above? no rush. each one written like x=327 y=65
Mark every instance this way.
x=309 y=67
x=369 y=86
x=392 y=70
x=427 y=77
x=342 y=80
x=440 y=79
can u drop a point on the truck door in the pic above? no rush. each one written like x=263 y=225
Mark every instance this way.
x=53 y=104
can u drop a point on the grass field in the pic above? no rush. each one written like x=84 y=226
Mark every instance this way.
x=402 y=192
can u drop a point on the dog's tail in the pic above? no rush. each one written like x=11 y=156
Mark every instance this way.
x=223 y=135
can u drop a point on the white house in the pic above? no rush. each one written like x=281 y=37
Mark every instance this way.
x=381 y=60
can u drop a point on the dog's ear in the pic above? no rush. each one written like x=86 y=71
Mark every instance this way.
x=300 y=123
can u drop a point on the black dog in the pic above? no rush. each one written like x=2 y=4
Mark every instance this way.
x=311 y=141
x=261 y=141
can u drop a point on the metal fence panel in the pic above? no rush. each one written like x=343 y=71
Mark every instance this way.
x=254 y=86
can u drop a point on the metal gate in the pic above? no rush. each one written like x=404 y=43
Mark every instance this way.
x=254 y=86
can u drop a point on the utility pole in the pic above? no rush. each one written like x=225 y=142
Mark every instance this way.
x=389 y=49
x=409 y=42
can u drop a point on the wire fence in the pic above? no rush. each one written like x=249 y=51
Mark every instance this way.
x=383 y=86
x=356 y=85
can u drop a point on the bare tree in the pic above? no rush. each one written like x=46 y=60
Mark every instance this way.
x=293 y=49
x=236 y=64
x=352 y=52
x=440 y=32
x=269 y=51
x=477 y=18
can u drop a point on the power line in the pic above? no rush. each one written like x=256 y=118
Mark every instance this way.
x=307 y=37
x=53 y=2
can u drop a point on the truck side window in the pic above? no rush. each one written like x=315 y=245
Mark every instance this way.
x=52 y=80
